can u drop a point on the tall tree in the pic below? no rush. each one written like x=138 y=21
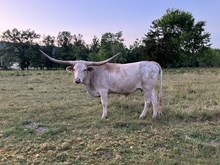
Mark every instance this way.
x=94 y=49
x=65 y=43
x=135 y=52
x=79 y=49
x=49 y=47
x=6 y=55
x=175 y=39
x=19 y=42
x=111 y=44
x=49 y=41
x=64 y=39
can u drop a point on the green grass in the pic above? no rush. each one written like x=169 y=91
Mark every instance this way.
x=46 y=119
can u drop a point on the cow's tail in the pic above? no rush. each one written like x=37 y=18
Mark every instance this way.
x=160 y=100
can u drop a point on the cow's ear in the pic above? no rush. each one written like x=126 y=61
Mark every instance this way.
x=70 y=69
x=90 y=69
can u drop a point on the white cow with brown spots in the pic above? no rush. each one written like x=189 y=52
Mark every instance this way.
x=102 y=78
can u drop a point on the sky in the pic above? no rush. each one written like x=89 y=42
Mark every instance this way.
x=96 y=17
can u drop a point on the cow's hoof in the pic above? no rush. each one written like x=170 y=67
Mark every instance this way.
x=104 y=117
x=154 y=116
x=142 y=116
x=160 y=113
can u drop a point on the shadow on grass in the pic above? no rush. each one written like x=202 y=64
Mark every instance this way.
x=172 y=116
x=125 y=115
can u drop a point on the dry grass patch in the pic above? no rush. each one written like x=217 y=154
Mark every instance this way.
x=45 y=119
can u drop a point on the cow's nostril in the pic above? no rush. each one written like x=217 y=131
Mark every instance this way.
x=77 y=81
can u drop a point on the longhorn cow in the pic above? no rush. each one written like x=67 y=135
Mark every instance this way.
x=102 y=78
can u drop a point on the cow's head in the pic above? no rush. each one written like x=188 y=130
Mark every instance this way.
x=80 y=68
x=80 y=71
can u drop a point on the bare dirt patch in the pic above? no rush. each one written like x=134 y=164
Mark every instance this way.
x=37 y=127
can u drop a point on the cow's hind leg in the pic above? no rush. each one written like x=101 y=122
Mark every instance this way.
x=154 y=103
x=147 y=100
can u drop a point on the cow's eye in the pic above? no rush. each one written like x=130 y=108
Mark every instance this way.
x=84 y=70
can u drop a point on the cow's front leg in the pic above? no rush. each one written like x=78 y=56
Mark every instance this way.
x=104 y=100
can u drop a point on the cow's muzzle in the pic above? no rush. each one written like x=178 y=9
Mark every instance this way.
x=77 y=80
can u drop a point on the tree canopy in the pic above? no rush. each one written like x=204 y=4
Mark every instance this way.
x=20 y=45
x=174 y=40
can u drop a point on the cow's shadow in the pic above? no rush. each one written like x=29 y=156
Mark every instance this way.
x=130 y=112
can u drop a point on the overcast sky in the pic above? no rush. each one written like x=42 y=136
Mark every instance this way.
x=95 y=17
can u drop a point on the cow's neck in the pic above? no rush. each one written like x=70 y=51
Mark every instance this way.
x=90 y=87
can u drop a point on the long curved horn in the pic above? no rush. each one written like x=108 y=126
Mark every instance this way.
x=91 y=63
x=58 y=61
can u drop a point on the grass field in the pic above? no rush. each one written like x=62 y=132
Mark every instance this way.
x=46 y=119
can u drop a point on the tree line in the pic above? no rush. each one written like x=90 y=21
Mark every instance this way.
x=174 y=40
